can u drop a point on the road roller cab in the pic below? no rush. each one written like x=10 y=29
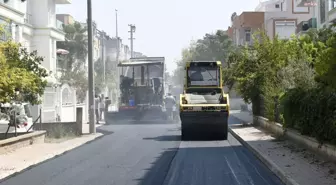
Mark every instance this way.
x=204 y=107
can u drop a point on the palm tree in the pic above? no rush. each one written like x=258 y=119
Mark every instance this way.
x=76 y=43
x=72 y=64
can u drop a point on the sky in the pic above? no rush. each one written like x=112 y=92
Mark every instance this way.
x=163 y=27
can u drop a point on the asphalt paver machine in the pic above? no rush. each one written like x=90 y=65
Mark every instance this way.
x=142 y=89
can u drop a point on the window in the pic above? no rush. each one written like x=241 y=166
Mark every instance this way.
x=7 y=32
x=332 y=4
x=297 y=9
x=247 y=35
x=277 y=6
x=203 y=76
x=285 y=29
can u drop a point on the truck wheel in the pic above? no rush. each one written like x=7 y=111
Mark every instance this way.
x=184 y=134
x=225 y=132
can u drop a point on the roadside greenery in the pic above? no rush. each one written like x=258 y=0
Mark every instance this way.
x=288 y=81
x=291 y=81
x=22 y=78
x=73 y=64
x=214 y=46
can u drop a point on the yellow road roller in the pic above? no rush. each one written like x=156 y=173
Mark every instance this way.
x=204 y=107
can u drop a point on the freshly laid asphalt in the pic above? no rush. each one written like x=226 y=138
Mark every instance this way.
x=150 y=153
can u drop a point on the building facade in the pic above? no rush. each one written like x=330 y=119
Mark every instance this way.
x=33 y=24
x=324 y=11
x=283 y=16
x=244 y=25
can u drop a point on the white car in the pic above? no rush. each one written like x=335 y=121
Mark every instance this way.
x=22 y=112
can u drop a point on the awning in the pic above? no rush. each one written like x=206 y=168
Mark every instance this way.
x=62 y=51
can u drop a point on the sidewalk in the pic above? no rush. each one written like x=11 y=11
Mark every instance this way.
x=18 y=160
x=292 y=164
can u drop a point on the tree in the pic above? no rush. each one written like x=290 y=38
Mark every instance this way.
x=325 y=64
x=211 y=47
x=76 y=43
x=20 y=72
x=257 y=71
x=73 y=63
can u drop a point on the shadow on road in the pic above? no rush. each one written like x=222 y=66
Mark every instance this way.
x=203 y=165
x=165 y=138
x=159 y=169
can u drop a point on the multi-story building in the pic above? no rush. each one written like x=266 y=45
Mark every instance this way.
x=33 y=23
x=282 y=17
x=243 y=26
x=324 y=11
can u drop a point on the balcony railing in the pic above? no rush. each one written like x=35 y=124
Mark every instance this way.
x=305 y=26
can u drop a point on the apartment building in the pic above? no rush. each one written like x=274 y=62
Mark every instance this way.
x=324 y=11
x=243 y=26
x=282 y=17
x=33 y=24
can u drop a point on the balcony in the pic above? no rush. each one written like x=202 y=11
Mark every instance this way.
x=304 y=26
x=63 y=1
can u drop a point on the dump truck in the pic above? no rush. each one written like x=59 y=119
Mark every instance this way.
x=204 y=107
x=142 y=90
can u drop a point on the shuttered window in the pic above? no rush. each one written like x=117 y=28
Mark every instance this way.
x=285 y=29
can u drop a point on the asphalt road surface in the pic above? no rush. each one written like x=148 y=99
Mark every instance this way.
x=150 y=154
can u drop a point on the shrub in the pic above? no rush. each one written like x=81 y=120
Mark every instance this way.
x=312 y=112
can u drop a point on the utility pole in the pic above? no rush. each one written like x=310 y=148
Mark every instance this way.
x=90 y=61
x=117 y=36
x=132 y=30
x=118 y=43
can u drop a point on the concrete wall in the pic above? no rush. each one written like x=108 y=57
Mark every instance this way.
x=51 y=127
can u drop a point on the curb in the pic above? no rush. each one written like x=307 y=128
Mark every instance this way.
x=51 y=158
x=264 y=159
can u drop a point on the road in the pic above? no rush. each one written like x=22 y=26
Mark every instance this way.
x=150 y=154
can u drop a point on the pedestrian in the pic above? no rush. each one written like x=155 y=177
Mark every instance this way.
x=102 y=107
x=169 y=104
x=96 y=106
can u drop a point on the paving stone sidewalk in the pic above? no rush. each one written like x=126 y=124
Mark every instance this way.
x=298 y=164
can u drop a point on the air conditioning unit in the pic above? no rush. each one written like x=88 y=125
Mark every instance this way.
x=302 y=27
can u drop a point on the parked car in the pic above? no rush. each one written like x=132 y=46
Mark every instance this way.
x=23 y=116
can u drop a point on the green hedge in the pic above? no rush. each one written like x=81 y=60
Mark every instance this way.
x=312 y=112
